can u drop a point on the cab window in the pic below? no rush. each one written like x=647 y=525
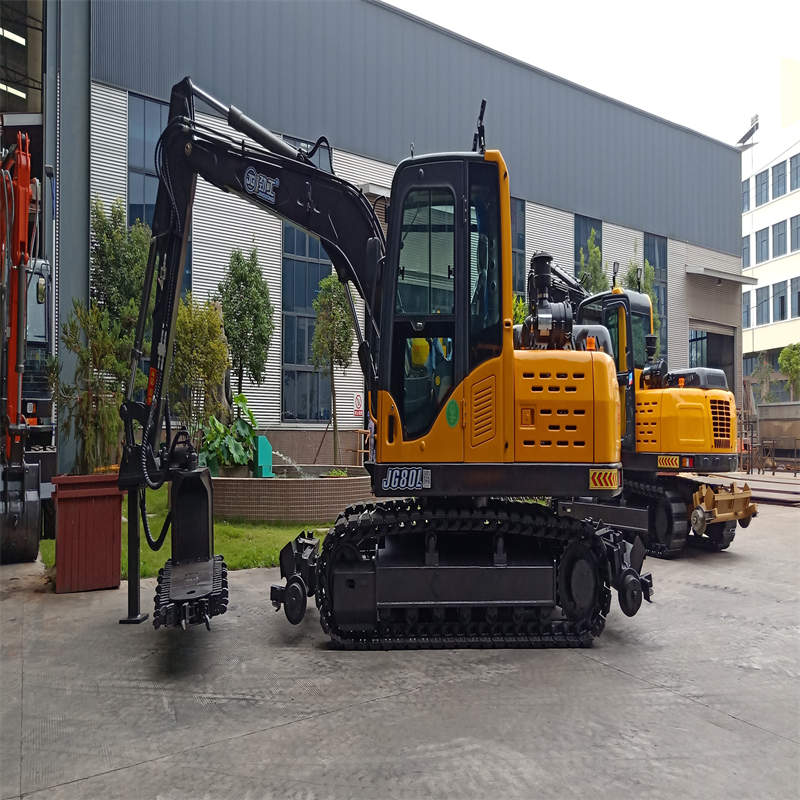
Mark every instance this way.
x=425 y=277
x=424 y=323
x=485 y=329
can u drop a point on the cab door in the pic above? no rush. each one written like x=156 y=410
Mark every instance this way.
x=484 y=385
x=617 y=319
x=420 y=409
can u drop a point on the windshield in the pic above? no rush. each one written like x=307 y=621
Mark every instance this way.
x=641 y=327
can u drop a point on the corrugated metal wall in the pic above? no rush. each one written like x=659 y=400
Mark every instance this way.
x=623 y=245
x=551 y=230
x=677 y=314
x=374 y=79
x=221 y=223
x=108 y=145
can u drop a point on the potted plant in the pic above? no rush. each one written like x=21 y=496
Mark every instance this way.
x=228 y=450
x=88 y=502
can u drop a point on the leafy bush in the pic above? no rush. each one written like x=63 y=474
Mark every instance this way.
x=88 y=406
x=336 y=473
x=200 y=361
x=232 y=445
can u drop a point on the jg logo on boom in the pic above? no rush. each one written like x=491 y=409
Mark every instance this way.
x=260 y=185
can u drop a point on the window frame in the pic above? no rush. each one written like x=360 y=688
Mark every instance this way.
x=762 y=241
x=794 y=233
x=778 y=180
x=597 y=224
x=746 y=322
x=146 y=171
x=745 y=195
x=794 y=297
x=655 y=253
x=780 y=311
x=794 y=172
x=762 y=187
x=746 y=251
x=779 y=239
x=301 y=316
x=762 y=305
x=518 y=266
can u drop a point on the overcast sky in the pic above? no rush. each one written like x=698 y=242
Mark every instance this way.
x=707 y=65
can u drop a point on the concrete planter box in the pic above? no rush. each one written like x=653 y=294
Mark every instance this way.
x=88 y=532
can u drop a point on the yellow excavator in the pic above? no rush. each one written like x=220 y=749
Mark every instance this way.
x=467 y=419
x=676 y=426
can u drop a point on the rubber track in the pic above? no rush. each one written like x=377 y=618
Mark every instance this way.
x=680 y=516
x=360 y=526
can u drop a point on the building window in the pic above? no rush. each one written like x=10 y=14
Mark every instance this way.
x=779 y=239
x=518 y=245
x=762 y=305
x=306 y=392
x=655 y=254
x=146 y=120
x=794 y=172
x=583 y=230
x=779 y=180
x=746 y=251
x=794 y=225
x=698 y=348
x=794 y=289
x=745 y=309
x=749 y=364
x=779 y=301
x=762 y=187
x=762 y=245
x=745 y=195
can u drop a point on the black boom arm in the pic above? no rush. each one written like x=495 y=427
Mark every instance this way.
x=275 y=177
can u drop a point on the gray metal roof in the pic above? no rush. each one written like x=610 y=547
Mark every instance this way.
x=374 y=79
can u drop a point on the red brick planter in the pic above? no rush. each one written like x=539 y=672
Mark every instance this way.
x=88 y=532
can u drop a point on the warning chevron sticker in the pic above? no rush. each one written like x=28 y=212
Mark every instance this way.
x=669 y=462
x=603 y=478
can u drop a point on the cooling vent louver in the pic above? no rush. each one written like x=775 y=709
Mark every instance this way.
x=483 y=411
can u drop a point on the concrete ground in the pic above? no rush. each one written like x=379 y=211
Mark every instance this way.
x=697 y=696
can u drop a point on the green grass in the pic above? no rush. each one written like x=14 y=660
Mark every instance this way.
x=244 y=544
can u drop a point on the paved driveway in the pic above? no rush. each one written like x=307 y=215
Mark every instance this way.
x=698 y=696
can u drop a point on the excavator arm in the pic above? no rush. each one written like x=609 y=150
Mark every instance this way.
x=272 y=175
x=281 y=180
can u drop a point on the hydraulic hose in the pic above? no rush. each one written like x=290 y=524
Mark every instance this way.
x=157 y=544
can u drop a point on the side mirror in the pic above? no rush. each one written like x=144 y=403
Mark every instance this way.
x=651 y=342
x=41 y=291
x=373 y=254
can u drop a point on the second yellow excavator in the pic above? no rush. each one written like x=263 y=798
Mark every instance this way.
x=677 y=426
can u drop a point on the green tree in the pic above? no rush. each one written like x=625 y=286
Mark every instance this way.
x=596 y=280
x=118 y=260
x=789 y=365
x=630 y=280
x=332 y=345
x=247 y=315
x=118 y=256
x=199 y=363
x=762 y=375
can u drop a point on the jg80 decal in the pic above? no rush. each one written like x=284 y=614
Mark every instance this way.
x=406 y=478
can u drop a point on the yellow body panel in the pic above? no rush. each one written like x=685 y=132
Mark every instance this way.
x=685 y=421
x=566 y=407
x=443 y=443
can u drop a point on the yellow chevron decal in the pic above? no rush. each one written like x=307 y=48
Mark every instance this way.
x=603 y=478
x=669 y=462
